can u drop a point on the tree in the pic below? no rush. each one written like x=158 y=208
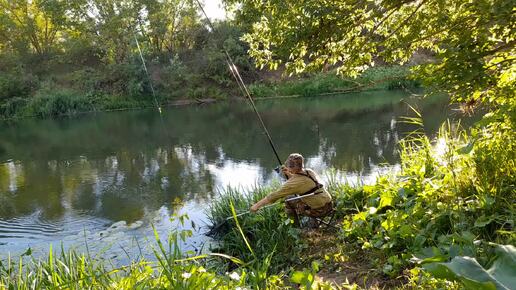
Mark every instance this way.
x=32 y=25
x=472 y=43
x=112 y=25
x=169 y=25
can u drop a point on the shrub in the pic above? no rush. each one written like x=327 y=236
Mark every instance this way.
x=440 y=202
x=14 y=85
x=388 y=77
x=261 y=90
x=58 y=103
x=12 y=107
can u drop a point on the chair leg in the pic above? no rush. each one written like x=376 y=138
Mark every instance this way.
x=326 y=223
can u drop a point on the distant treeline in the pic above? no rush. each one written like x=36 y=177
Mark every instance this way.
x=63 y=57
x=59 y=57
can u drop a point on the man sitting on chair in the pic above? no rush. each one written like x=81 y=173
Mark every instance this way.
x=300 y=182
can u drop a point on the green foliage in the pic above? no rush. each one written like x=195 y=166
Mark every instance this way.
x=471 y=45
x=495 y=153
x=57 y=103
x=12 y=107
x=501 y=275
x=13 y=86
x=438 y=200
x=377 y=78
x=388 y=77
x=305 y=278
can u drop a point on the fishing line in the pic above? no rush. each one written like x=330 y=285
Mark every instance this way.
x=158 y=106
x=241 y=84
x=148 y=76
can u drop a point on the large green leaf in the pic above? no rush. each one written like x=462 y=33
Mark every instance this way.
x=504 y=267
x=501 y=275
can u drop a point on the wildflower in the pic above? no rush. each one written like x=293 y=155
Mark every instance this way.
x=186 y=275
x=235 y=276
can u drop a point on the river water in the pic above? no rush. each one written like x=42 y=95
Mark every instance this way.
x=98 y=182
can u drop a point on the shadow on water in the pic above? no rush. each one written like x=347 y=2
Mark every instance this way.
x=126 y=165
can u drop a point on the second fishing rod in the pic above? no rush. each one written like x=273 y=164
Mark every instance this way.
x=243 y=88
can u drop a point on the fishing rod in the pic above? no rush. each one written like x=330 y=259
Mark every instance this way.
x=147 y=74
x=241 y=84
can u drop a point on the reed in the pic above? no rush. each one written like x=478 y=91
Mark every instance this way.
x=269 y=231
x=170 y=269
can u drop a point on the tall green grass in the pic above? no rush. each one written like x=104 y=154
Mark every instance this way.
x=170 y=269
x=269 y=231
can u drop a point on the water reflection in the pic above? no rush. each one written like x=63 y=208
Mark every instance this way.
x=129 y=165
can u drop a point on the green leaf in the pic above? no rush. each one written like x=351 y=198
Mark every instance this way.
x=504 y=267
x=464 y=269
x=468 y=147
x=299 y=277
x=483 y=221
x=385 y=200
x=501 y=275
x=28 y=252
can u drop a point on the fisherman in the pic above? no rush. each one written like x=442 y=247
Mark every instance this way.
x=300 y=182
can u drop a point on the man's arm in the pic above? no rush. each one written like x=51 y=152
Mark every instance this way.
x=263 y=202
x=288 y=188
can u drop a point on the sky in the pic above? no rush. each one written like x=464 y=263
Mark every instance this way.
x=214 y=9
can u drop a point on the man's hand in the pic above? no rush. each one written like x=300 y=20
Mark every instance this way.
x=286 y=171
x=263 y=202
x=254 y=208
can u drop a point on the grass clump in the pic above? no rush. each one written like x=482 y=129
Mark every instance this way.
x=269 y=231
x=58 y=103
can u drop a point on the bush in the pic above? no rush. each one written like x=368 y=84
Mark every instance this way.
x=14 y=85
x=388 y=77
x=440 y=202
x=260 y=90
x=58 y=103
x=12 y=107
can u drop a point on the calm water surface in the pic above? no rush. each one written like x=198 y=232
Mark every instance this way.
x=104 y=179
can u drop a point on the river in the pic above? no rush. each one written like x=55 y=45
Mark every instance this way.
x=104 y=179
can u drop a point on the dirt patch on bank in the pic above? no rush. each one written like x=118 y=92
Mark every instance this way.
x=338 y=267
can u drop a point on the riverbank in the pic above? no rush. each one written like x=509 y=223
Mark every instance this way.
x=409 y=229
x=46 y=103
